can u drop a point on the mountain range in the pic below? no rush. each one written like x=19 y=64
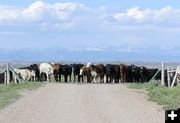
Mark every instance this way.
x=85 y=54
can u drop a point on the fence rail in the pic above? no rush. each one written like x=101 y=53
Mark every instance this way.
x=15 y=77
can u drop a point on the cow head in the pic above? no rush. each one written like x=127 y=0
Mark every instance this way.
x=73 y=66
x=141 y=70
x=84 y=71
x=122 y=67
x=33 y=73
x=51 y=71
x=133 y=68
x=89 y=65
x=81 y=71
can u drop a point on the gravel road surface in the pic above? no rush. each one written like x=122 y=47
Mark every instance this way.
x=82 y=103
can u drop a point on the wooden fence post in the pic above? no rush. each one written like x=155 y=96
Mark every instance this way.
x=5 y=77
x=7 y=74
x=168 y=77
x=162 y=74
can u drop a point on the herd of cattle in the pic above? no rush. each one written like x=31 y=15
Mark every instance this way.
x=109 y=73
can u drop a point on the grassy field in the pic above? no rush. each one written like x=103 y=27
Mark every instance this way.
x=11 y=92
x=168 y=98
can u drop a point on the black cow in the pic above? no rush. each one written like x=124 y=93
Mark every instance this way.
x=1 y=78
x=126 y=74
x=116 y=73
x=109 y=73
x=146 y=74
x=135 y=73
x=35 y=67
x=129 y=74
x=66 y=71
x=76 y=71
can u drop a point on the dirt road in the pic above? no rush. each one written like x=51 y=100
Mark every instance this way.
x=82 y=103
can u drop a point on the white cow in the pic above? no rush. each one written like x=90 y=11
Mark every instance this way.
x=26 y=74
x=47 y=69
x=33 y=75
x=88 y=65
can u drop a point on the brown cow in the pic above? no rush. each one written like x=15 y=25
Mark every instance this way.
x=85 y=71
x=123 y=72
x=56 y=67
x=98 y=71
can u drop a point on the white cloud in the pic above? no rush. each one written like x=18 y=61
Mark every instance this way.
x=100 y=49
x=42 y=12
x=68 y=14
x=166 y=16
x=64 y=25
x=7 y=13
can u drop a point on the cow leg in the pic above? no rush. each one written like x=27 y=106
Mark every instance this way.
x=115 y=79
x=34 y=78
x=40 y=77
x=75 y=78
x=143 y=79
x=82 y=77
x=88 y=79
x=78 y=78
x=37 y=77
x=111 y=79
x=47 y=77
x=59 y=77
x=102 y=79
x=106 y=79
x=94 y=79
x=70 y=78
x=55 y=77
x=43 y=77
x=99 y=79
x=124 y=78
x=65 y=78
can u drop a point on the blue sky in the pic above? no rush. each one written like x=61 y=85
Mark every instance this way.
x=126 y=26
x=97 y=3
